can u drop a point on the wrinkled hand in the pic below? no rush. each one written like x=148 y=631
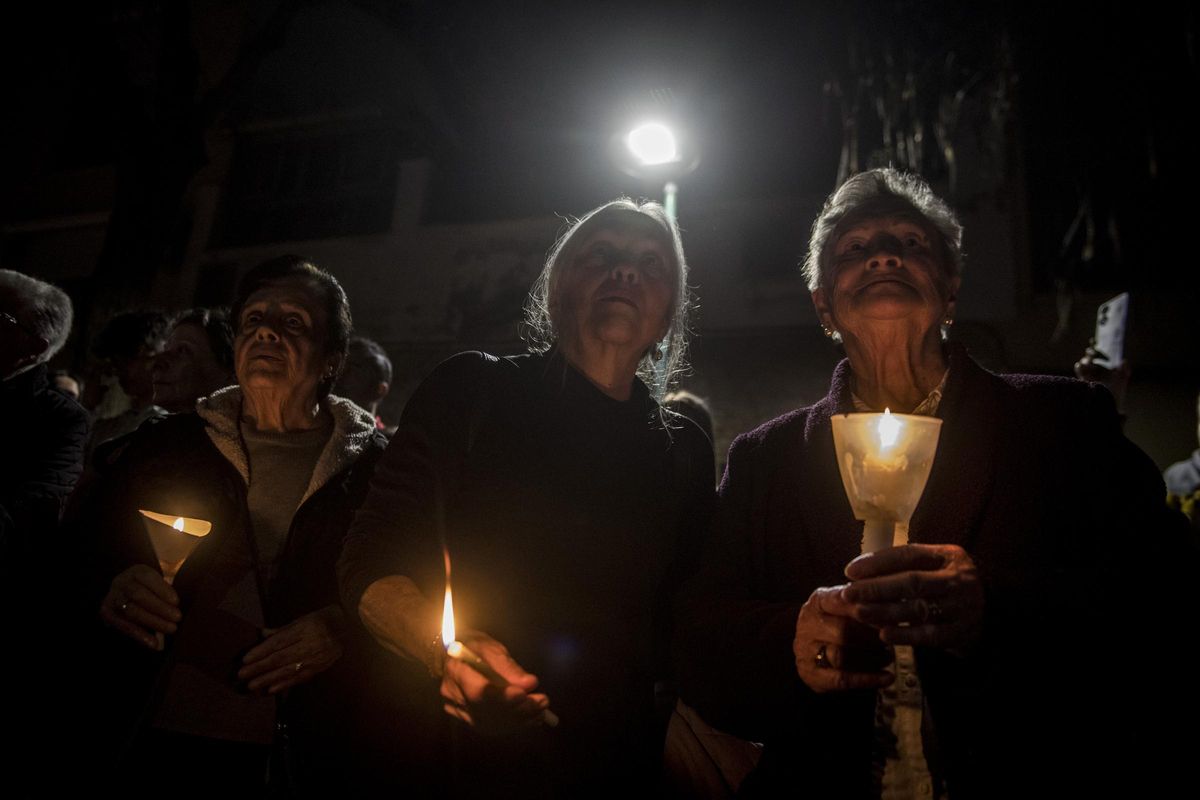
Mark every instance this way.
x=295 y=653
x=141 y=605
x=918 y=594
x=470 y=697
x=834 y=652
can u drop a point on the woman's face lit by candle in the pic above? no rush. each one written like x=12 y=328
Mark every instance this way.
x=281 y=339
x=619 y=290
x=886 y=269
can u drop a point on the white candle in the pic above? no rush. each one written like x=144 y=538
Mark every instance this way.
x=884 y=460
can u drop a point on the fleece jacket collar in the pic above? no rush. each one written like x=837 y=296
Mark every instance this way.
x=353 y=431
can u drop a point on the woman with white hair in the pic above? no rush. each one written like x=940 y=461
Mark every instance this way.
x=43 y=431
x=972 y=660
x=42 y=436
x=564 y=497
x=35 y=321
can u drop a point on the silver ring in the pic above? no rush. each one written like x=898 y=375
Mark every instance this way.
x=822 y=658
x=935 y=612
x=124 y=606
x=299 y=666
x=929 y=610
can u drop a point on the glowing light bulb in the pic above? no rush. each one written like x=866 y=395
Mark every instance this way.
x=653 y=143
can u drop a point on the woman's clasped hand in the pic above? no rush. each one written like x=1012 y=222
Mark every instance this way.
x=295 y=653
x=915 y=594
x=918 y=594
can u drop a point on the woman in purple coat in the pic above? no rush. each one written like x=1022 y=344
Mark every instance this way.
x=972 y=660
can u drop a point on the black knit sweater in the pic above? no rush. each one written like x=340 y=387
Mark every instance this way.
x=568 y=517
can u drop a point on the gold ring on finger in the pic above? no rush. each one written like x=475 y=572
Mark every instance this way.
x=822 y=658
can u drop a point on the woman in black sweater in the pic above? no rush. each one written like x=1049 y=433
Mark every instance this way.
x=567 y=501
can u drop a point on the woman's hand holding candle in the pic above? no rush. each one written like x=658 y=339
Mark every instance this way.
x=141 y=604
x=833 y=652
x=472 y=698
x=918 y=594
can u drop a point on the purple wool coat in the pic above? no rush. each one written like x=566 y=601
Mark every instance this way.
x=1065 y=520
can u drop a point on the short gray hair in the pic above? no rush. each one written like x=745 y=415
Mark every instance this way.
x=881 y=192
x=546 y=319
x=49 y=309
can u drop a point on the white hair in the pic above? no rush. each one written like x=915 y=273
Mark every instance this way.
x=47 y=308
x=547 y=320
x=871 y=193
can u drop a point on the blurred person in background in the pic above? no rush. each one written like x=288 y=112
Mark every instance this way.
x=42 y=437
x=68 y=383
x=1183 y=483
x=367 y=377
x=43 y=430
x=126 y=346
x=196 y=360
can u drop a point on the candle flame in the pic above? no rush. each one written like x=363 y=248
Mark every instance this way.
x=448 y=620
x=448 y=634
x=177 y=524
x=889 y=429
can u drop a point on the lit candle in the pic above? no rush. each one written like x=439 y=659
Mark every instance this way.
x=460 y=652
x=884 y=460
x=173 y=538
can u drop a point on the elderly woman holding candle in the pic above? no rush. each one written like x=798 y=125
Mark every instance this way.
x=248 y=660
x=565 y=498
x=969 y=657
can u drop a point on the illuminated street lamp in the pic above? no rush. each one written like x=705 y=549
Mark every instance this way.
x=655 y=152
x=652 y=144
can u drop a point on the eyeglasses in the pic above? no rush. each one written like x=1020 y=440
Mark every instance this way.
x=9 y=319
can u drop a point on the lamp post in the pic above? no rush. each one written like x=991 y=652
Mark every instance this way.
x=653 y=144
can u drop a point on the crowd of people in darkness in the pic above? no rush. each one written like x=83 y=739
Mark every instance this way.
x=226 y=573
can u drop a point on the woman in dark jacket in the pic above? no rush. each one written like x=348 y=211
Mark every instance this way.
x=248 y=659
x=1000 y=613
x=567 y=501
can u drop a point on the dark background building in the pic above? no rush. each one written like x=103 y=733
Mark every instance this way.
x=426 y=152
